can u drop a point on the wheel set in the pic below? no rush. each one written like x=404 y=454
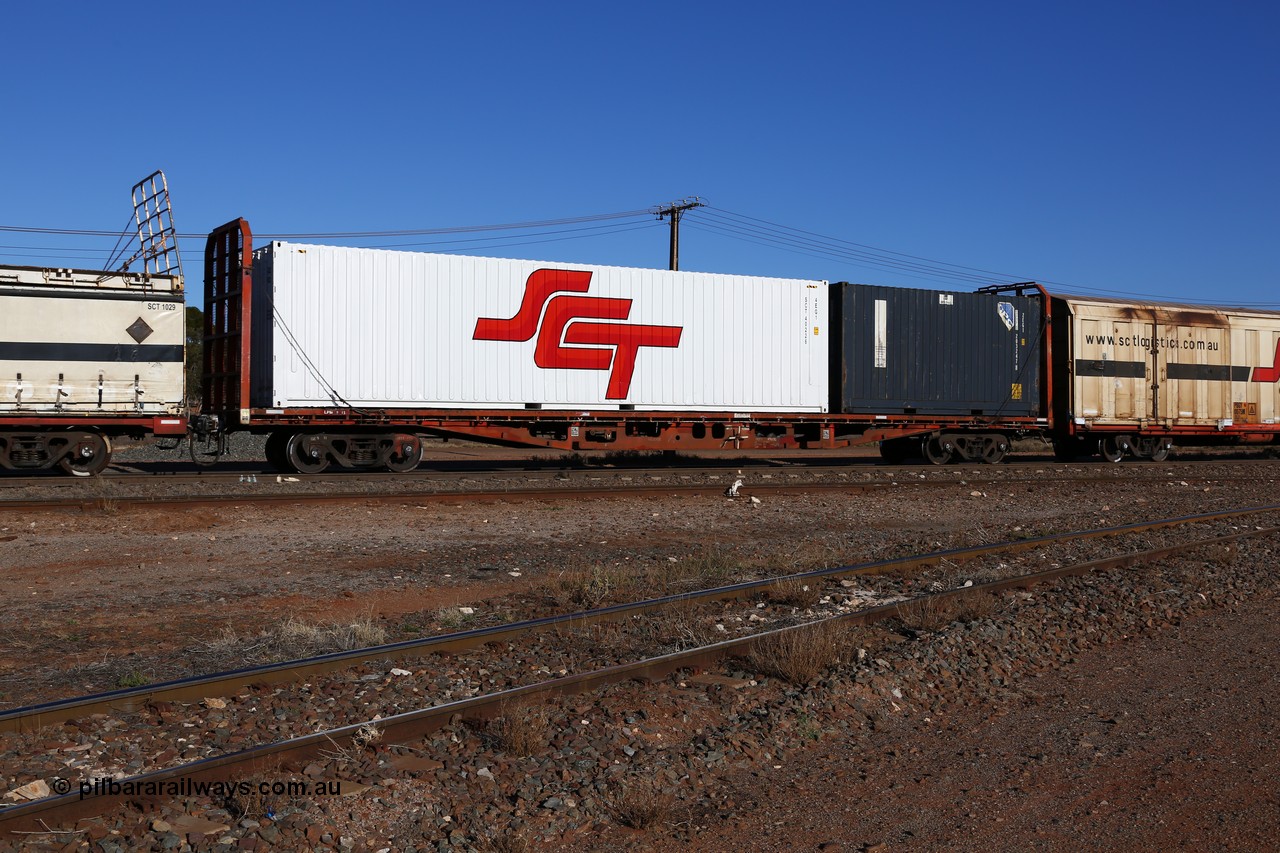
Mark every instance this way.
x=313 y=453
x=943 y=448
x=1113 y=448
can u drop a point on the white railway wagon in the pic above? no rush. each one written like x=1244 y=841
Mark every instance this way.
x=1174 y=368
x=77 y=342
x=379 y=329
x=84 y=355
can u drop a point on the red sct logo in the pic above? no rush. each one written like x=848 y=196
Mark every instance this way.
x=1269 y=374
x=568 y=320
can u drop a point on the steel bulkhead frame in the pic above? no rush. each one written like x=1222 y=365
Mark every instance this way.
x=228 y=303
x=1046 y=346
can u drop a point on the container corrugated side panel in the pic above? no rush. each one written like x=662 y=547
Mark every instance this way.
x=928 y=352
x=383 y=329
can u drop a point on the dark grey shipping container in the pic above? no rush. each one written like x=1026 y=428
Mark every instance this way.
x=928 y=352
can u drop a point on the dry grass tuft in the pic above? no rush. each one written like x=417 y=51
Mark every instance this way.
x=245 y=799
x=497 y=841
x=813 y=554
x=933 y=614
x=589 y=587
x=521 y=728
x=638 y=804
x=928 y=613
x=315 y=639
x=795 y=592
x=452 y=618
x=712 y=566
x=294 y=638
x=679 y=626
x=978 y=606
x=802 y=654
x=366 y=738
x=592 y=585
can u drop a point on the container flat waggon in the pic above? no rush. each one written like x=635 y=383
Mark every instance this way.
x=352 y=357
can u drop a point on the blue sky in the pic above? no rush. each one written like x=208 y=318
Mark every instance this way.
x=1125 y=147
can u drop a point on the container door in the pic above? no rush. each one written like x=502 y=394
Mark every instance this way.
x=1113 y=363
x=1248 y=404
x=1196 y=390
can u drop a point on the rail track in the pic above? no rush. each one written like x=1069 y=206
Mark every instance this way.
x=123 y=492
x=413 y=724
x=537 y=467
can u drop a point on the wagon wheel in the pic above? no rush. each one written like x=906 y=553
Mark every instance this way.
x=1155 y=449
x=1110 y=450
x=408 y=457
x=936 y=451
x=89 y=454
x=277 y=452
x=306 y=455
x=994 y=448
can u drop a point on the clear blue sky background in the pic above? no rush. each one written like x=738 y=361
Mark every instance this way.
x=1127 y=147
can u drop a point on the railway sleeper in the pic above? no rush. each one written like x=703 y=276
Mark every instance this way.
x=312 y=453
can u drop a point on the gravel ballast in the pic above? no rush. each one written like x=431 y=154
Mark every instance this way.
x=1104 y=712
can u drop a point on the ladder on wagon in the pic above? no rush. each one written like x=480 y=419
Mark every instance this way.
x=157 y=239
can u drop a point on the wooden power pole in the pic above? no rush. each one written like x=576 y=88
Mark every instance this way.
x=676 y=210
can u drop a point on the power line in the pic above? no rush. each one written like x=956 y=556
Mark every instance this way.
x=703 y=217
x=817 y=250
x=834 y=247
x=799 y=241
x=443 y=247
x=348 y=235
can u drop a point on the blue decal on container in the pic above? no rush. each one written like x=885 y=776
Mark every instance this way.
x=1007 y=314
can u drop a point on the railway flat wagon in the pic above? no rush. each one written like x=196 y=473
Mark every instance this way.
x=1144 y=376
x=350 y=356
x=85 y=356
x=345 y=355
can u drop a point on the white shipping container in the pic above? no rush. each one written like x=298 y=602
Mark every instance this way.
x=372 y=328
x=77 y=342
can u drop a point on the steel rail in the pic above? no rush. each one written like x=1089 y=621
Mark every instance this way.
x=565 y=492
x=540 y=470
x=496 y=468
x=44 y=814
x=126 y=700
